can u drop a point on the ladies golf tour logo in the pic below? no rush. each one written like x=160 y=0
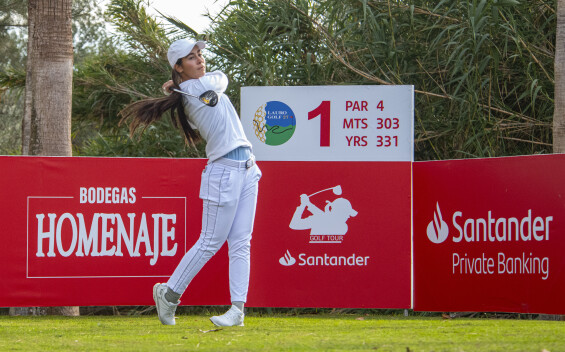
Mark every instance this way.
x=274 y=123
x=437 y=229
x=287 y=259
x=328 y=225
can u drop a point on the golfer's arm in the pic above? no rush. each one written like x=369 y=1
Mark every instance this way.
x=314 y=209
x=297 y=223
x=216 y=81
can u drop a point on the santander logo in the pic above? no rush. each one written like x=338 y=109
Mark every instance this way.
x=287 y=259
x=437 y=229
x=490 y=227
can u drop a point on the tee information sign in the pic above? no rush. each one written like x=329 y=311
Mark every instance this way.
x=330 y=123
x=334 y=212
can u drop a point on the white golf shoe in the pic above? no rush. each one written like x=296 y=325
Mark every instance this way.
x=233 y=317
x=165 y=309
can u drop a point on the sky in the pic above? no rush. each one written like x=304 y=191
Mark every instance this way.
x=190 y=12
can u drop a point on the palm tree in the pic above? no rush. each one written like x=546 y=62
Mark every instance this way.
x=48 y=92
x=50 y=72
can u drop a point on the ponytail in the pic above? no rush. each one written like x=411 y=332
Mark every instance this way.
x=146 y=111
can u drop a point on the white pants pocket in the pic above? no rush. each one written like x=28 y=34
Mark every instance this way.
x=217 y=184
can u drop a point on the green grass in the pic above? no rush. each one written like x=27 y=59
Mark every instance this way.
x=322 y=332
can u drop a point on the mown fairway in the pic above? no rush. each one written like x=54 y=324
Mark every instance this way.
x=280 y=333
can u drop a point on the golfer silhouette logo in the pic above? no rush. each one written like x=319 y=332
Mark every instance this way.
x=328 y=225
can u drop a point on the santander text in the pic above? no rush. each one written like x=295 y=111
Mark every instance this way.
x=494 y=229
x=326 y=260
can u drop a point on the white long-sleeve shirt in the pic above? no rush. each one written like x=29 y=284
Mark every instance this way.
x=219 y=125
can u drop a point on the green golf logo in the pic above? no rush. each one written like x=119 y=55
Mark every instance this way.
x=274 y=123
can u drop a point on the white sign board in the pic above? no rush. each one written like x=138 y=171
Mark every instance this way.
x=330 y=123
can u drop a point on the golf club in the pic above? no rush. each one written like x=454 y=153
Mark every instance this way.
x=209 y=97
x=336 y=190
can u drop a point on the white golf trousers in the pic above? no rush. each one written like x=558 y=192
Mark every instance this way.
x=229 y=192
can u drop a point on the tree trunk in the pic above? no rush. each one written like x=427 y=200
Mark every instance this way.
x=559 y=66
x=51 y=61
x=26 y=121
x=48 y=94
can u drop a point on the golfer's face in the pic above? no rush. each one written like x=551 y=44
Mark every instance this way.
x=193 y=65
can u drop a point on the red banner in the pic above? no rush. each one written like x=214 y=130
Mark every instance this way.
x=102 y=231
x=354 y=254
x=94 y=231
x=488 y=235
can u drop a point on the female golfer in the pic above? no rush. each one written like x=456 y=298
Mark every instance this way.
x=229 y=182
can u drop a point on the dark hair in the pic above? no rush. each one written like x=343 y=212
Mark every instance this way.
x=146 y=111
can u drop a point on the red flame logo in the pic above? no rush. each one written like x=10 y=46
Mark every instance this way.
x=437 y=229
x=287 y=260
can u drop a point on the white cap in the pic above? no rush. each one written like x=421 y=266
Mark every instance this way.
x=182 y=48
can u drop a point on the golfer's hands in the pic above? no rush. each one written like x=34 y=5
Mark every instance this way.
x=304 y=200
x=167 y=87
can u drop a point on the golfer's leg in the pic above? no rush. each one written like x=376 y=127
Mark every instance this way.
x=216 y=222
x=239 y=242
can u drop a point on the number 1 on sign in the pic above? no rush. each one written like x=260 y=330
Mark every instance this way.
x=323 y=110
